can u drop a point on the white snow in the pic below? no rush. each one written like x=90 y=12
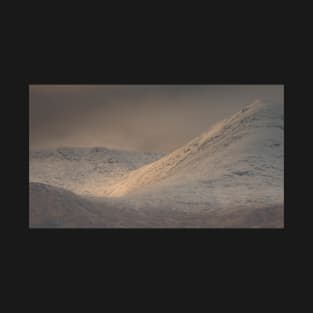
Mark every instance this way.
x=230 y=176
x=85 y=171
x=237 y=163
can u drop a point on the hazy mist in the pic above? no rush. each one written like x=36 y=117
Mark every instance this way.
x=135 y=117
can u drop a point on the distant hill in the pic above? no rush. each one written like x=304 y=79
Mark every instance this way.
x=85 y=171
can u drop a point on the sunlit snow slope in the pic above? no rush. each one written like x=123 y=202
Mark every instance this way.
x=237 y=163
x=85 y=171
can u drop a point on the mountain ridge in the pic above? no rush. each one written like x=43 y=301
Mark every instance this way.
x=246 y=148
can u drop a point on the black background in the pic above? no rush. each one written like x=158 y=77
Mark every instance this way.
x=208 y=46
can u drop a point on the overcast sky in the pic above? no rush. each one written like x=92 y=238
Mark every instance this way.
x=134 y=117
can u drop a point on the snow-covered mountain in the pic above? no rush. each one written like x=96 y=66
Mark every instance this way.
x=238 y=163
x=54 y=207
x=230 y=176
x=85 y=171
